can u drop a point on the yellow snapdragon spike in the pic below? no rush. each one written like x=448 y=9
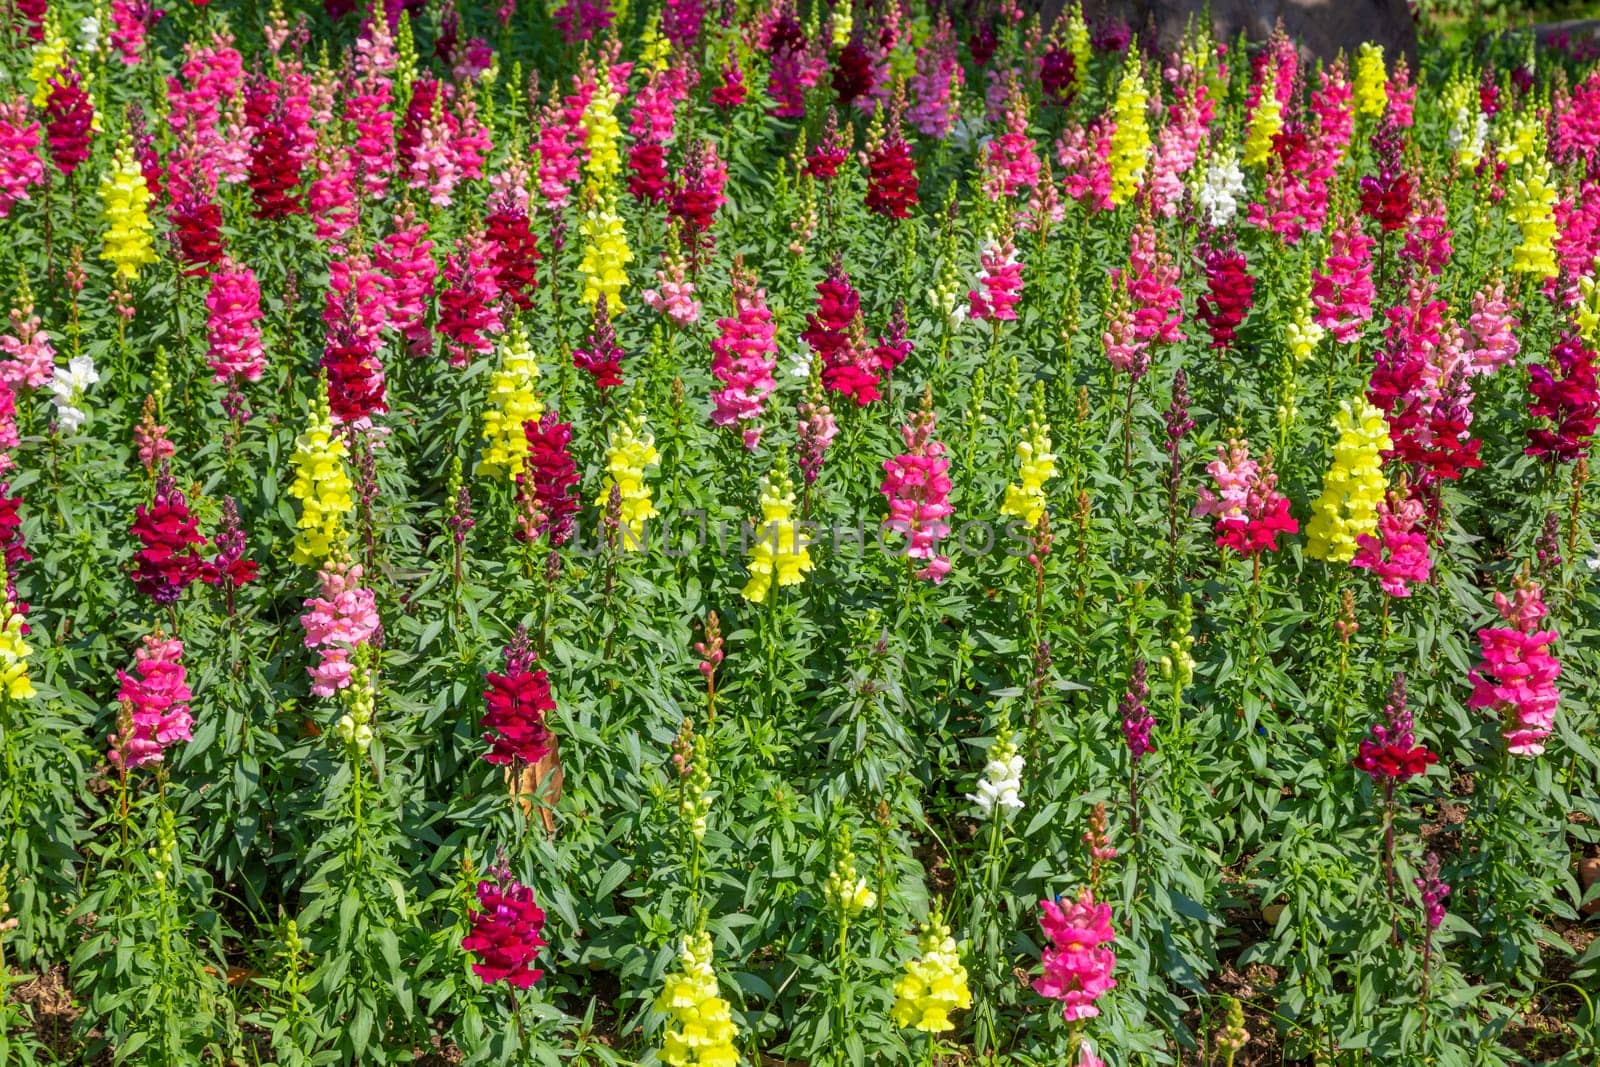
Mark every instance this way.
x=1130 y=139
x=512 y=402
x=778 y=553
x=1354 y=487
x=631 y=449
x=322 y=485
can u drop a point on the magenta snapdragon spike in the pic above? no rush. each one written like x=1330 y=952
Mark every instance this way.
x=1077 y=966
x=1137 y=722
x=166 y=562
x=743 y=357
x=155 y=704
x=344 y=616
x=405 y=260
x=831 y=331
x=21 y=165
x=558 y=144
x=1342 y=291
x=1421 y=382
x=469 y=312
x=917 y=486
x=682 y=22
x=1085 y=158
x=1398 y=555
x=1391 y=754
x=68 y=120
x=674 y=293
x=1152 y=281
x=1386 y=195
x=1567 y=394
x=1295 y=194
x=1433 y=889
x=1516 y=678
x=1428 y=235
x=515 y=705
x=1178 y=146
x=506 y=932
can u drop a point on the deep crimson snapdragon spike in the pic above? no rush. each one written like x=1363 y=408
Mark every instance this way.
x=69 y=120
x=1391 y=754
x=599 y=356
x=1230 y=293
x=515 y=705
x=506 y=932
x=551 y=476
x=166 y=562
x=1567 y=395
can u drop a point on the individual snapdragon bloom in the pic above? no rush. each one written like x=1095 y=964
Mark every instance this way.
x=700 y=1032
x=129 y=242
x=1130 y=138
x=934 y=983
x=629 y=451
x=513 y=403
x=67 y=389
x=1372 y=79
x=1026 y=498
x=779 y=552
x=1001 y=784
x=321 y=484
x=1354 y=487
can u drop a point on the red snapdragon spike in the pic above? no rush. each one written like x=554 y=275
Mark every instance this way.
x=355 y=377
x=197 y=231
x=166 y=562
x=515 y=252
x=274 y=173
x=551 y=474
x=506 y=934
x=1231 y=293
x=513 y=720
x=852 y=74
x=599 y=356
x=983 y=43
x=647 y=172
x=11 y=539
x=69 y=121
x=892 y=179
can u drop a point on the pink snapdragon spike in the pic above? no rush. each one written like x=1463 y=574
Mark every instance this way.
x=405 y=260
x=743 y=357
x=999 y=282
x=674 y=293
x=937 y=83
x=155 y=704
x=917 y=486
x=1085 y=158
x=30 y=358
x=233 y=324
x=1492 y=327
x=1152 y=280
x=21 y=164
x=1342 y=291
x=1516 y=678
x=1011 y=160
x=1178 y=146
x=1398 y=555
x=1249 y=511
x=1077 y=968
x=344 y=616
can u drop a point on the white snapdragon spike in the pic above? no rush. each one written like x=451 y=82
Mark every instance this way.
x=89 y=33
x=1223 y=186
x=68 y=386
x=949 y=303
x=1001 y=784
x=1593 y=562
